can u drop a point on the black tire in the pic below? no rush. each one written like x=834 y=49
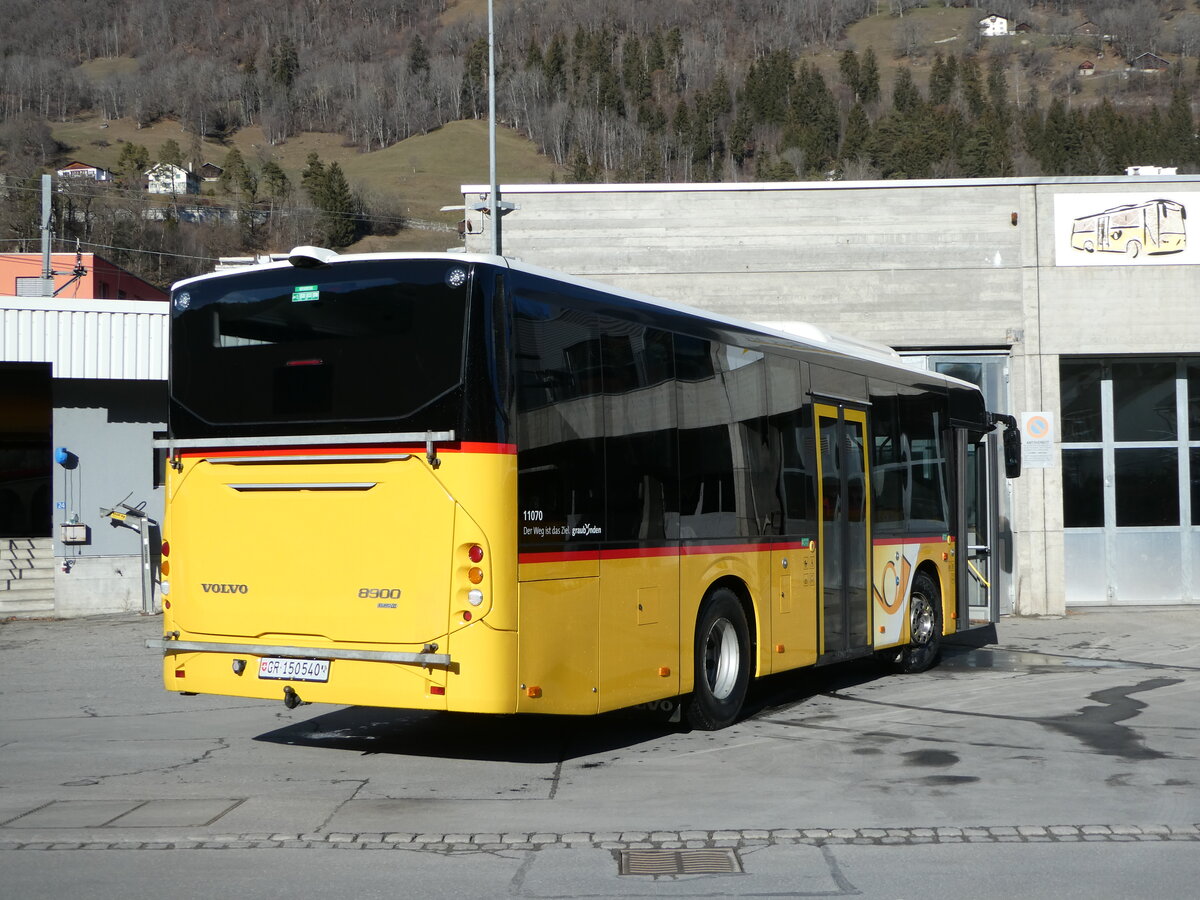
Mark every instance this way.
x=722 y=657
x=925 y=625
x=1133 y=249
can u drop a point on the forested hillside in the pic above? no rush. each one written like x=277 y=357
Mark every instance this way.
x=609 y=90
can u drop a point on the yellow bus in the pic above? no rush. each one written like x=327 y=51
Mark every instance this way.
x=1152 y=227
x=458 y=482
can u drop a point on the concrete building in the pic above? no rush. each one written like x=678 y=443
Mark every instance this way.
x=1070 y=300
x=82 y=390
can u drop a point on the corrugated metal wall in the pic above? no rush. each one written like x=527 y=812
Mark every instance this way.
x=111 y=339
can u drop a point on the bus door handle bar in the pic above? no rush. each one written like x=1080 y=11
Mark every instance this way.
x=981 y=549
x=431 y=660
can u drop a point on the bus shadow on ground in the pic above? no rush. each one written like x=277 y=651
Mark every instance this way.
x=545 y=739
x=515 y=739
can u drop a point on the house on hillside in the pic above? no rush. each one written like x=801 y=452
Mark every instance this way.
x=211 y=172
x=993 y=26
x=1087 y=67
x=1023 y=28
x=164 y=178
x=84 y=170
x=1148 y=62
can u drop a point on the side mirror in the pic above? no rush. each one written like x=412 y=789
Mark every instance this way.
x=1012 y=452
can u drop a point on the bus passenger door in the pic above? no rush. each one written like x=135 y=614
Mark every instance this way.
x=844 y=544
x=978 y=600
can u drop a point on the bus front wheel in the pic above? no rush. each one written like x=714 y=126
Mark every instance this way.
x=722 y=654
x=1133 y=249
x=925 y=626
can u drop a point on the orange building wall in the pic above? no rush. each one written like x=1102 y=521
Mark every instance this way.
x=103 y=280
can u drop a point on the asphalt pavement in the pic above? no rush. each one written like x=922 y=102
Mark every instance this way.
x=1064 y=754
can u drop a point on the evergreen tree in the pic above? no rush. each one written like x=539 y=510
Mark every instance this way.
x=285 y=63
x=134 y=159
x=633 y=69
x=769 y=85
x=418 y=57
x=816 y=113
x=998 y=94
x=1179 y=131
x=171 y=154
x=312 y=179
x=656 y=56
x=858 y=132
x=906 y=96
x=236 y=176
x=534 y=59
x=972 y=87
x=581 y=168
x=1109 y=134
x=850 y=70
x=740 y=143
x=941 y=83
x=473 y=90
x=275 y=180
x=338 y=209
x=868 y=85
x=555 y=65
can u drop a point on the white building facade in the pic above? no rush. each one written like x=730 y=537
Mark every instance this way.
x=165 y=178
x=83 y=389
x=1069 y=300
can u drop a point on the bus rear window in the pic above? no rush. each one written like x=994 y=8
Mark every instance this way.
x=356 y=341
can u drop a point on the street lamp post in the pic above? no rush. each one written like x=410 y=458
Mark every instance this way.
x=495 y=187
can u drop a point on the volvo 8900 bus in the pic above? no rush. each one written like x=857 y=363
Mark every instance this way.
x=457 y=482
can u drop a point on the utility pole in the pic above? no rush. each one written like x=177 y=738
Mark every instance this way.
x=47 y=269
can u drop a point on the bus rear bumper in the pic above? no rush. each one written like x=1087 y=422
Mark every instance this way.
x=341 y=676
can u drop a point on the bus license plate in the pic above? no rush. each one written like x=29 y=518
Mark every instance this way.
x=281 y=669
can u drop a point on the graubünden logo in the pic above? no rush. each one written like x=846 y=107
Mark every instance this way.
x=211 y=588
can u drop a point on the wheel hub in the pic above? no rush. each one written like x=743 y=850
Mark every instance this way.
x=721 y=658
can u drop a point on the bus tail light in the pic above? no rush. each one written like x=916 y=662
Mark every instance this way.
x=475 y=597
x=166 y=548
x=475 y=553
x=475 y=575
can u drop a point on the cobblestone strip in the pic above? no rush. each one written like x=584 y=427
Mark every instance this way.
x=633 y=840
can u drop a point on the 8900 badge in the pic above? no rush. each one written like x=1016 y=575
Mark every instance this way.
x=379 y=593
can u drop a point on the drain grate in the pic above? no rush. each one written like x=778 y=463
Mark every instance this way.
x=680 y=862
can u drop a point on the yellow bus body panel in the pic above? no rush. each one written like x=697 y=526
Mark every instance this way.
x=354 y=554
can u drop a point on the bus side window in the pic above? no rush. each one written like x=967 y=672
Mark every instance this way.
x=560 y=459
x=641 y=486
x=887 y=466
x=922 y=419
x=707 y=496
x=791 y=437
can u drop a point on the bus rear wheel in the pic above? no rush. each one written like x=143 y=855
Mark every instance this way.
x=925 y=626
x=722 y=660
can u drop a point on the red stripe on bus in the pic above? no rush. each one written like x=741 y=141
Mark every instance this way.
x=653 y=552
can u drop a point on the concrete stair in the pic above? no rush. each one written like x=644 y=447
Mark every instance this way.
x=26 y=577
